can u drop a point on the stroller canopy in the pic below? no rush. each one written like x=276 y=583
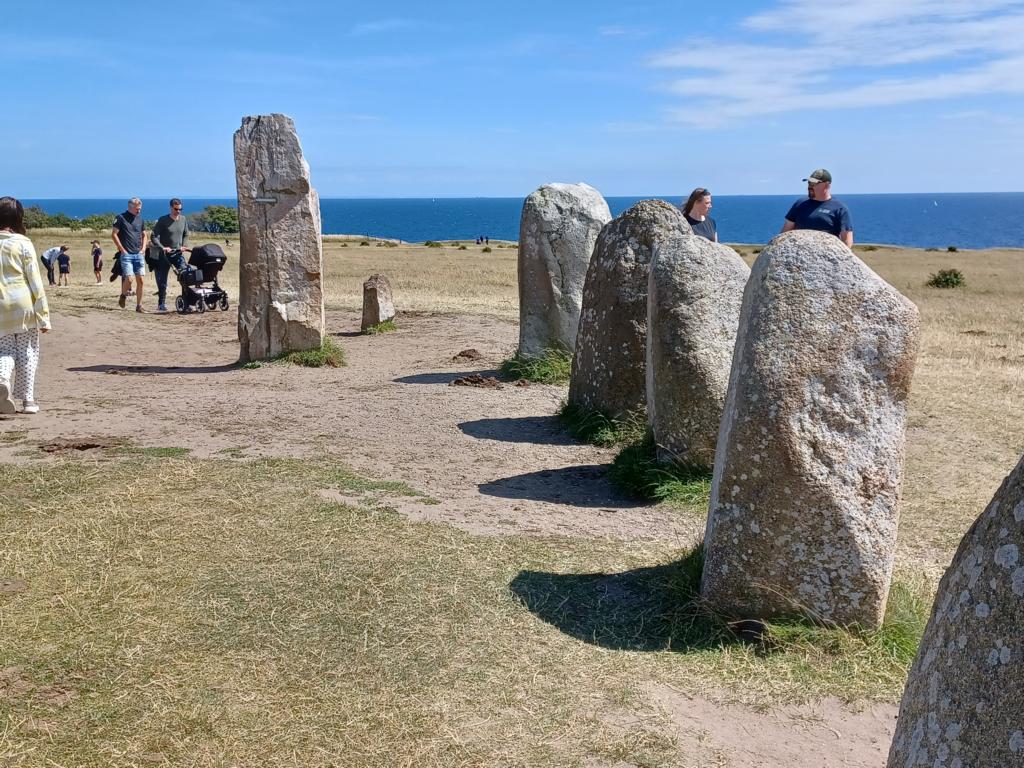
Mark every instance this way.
x=205 y=255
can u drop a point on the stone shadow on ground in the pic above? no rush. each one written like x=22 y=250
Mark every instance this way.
x=145 y=369
x=540 y=430
x=578 y=486
x=444 y=377
x=644 y=609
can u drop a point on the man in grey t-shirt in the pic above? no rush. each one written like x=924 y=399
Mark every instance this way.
x=129 y=235
x=170 y=236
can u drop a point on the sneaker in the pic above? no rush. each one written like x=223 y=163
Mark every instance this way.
x=120 y=301
x=162 y=308
x=6 y=403
x=30 y=406
x=138 y=308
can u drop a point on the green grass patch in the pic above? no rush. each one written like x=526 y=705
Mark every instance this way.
x=385 y=327
x=637 y=471
x=252 y=365
x=598 y=429
x=329 y=354
x=13 y=436
x=554 y=367
x=946 y=278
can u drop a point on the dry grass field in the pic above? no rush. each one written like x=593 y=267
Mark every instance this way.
x=161 y=609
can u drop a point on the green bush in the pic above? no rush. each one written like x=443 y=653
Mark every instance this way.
x=946 y=278
x=487 y=249
x=462 y=248
x=951 y=248
x=433 y=244
x=554 y=367
x=344 y=245
x=364 y=242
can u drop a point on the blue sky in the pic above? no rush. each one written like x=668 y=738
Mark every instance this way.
x=403 y=99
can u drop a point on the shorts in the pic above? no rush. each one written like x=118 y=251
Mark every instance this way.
x=97 y=265
x=132 y=264
x=65 y=270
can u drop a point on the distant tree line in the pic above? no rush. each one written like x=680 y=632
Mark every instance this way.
x=213 y=218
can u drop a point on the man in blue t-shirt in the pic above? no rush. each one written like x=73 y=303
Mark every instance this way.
x=821 y=211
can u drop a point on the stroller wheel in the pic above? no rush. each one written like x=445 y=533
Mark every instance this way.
x=180 y=305
x=200 y=305
x=223 y=303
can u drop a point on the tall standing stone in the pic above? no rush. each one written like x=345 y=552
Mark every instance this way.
x=804 y=500
x=608 y=365
x=378 y=303
x=962 y=703
x=696 y=289
x=281 y=300
x=559 y=226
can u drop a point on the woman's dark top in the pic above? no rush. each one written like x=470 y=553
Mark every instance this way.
x=705 y=229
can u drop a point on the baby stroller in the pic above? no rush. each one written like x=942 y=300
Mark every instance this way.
x=203 y=266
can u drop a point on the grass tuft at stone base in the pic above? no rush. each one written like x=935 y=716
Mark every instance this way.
x=329 y=354
x=637 y=471
x=386 y=327
x=554 y=367
x=597 y=428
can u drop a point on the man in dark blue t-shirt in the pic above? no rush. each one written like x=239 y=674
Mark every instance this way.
x=130 y=235
x=820 y=211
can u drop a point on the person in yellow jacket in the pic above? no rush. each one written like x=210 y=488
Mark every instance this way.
x=24 y=313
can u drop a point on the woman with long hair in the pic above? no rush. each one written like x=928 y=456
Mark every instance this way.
x=696 y=209
x=24 y=313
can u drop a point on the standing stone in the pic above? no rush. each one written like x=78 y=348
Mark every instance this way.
x=962 y=703
x=804 y=500
x=696 y=289
x=608 y=366
x=378 y=304
x=559 y=225
x=281 y=298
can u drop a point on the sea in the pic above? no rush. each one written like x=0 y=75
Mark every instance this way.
x=941 y=220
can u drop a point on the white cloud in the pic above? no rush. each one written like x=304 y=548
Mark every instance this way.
x=873 y=53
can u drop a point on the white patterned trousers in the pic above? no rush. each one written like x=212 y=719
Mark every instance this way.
x=19 y=359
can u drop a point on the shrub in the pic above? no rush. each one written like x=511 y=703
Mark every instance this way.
x=487 y=249
x=946 y=278
x=363 y=242
x=553 y=367
x=951 y=248
x=328 y=354
x=462 y=248
x=344 y=245
x=433 y=244
x=867 y=247
x=931 y=249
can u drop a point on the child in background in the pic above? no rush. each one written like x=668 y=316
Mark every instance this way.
x=64 y=265
x=97 y=260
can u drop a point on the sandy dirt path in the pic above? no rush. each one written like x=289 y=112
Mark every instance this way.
x=496 y=460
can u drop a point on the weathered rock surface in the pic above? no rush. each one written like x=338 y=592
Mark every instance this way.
x=378 y=303
x=559 y=225
x=608 y=365
x=962 y=704
x=804 y=500
x=695 y=293
x=280 y=302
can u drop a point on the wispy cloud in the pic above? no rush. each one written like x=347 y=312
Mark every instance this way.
x=384 y=25
x=630 y=33
x=805 y=54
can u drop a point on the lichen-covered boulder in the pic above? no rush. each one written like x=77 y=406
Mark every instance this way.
x=809 y=463
x=696 y=288
x=962 y=706
x=559 y=225
x=608 y=365
x=280 y=297
x=378 y=302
